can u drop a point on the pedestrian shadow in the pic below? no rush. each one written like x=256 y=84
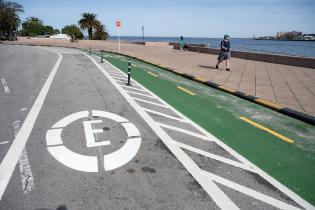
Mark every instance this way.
x=207 y=67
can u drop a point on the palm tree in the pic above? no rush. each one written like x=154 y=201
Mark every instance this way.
x=88 y=21
x=100 y=32
x=9 y=19
x=33 y=26
x=34 y=20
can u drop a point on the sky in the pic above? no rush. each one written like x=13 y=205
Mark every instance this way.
x=189 y=18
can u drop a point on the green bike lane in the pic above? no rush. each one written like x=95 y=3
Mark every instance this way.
x=293 y=164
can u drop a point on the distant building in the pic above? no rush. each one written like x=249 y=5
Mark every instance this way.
x=60 y=36
x=291 y=35
x=288 y=36
x=280 y=34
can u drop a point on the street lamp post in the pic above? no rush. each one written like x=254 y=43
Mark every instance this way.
x=143 y=33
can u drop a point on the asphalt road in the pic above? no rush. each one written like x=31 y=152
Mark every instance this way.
x=92 y=142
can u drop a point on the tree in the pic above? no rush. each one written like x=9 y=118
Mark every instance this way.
x=88 y=21
x=56 y=31
x=100 y=32
x=73 y=31
x=33 y=26
x=9 y=19
x=49 y=30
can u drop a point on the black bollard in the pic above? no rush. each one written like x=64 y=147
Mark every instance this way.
x=90 y=51
x=129 y=71
x=102 y=58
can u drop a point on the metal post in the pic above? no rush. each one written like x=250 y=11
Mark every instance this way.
x=118 y=40
x=101 y=57
x=143 y=33
x=90 y=52
x=129 y=71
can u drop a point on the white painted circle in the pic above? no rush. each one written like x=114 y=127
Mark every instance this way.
x=87 y=163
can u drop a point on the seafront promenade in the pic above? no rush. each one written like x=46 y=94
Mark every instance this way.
x=290 y=86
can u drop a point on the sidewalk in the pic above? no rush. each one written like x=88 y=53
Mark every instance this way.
x=290 y=86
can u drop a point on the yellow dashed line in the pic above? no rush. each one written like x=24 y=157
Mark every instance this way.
x=267 y=130
x=185 y=90
x=152 y=74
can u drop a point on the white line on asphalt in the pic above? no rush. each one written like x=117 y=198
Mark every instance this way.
x=184 y=131
x=23 y=109
x=164 y=115
x=4 y=142
x=140 y=94
x=215 y=157
x=210 y=187
x=132 y=129
x=70 y=118
x=119 y=78
x=27 y=179
x=219 y=197
x=247 y=191
x=149 y=102
x=5 y=86
x=133 y=88
x=12 y=157
x=112 y=73
x=124 y=83
x=74 y=160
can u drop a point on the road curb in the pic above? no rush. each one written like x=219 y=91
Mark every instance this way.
x=260 y=101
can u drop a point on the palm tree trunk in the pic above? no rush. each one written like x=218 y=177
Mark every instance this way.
x=90 y=33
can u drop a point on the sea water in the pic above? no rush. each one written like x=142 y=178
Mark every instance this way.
x=294 y=48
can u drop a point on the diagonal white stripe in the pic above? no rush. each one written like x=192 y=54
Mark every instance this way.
x=248 y=191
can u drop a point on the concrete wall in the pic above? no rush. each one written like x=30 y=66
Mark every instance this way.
x=279 y=59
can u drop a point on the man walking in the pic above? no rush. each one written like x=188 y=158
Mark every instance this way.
x=225 y=53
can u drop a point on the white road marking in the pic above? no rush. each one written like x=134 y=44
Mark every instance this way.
x=125 y=82
x=12 y=157
x=24 y=165
x=5 y=86
x=133 y=88
x=89 y=134
x=109 y=115
x=23 y=109
x=74 y=160
x=149 y=102
x=89 y=163
x=248 y=191
x=215 y=157
x=263 y=174
x=164 y=115
x=4 y=142
x=123 y=155
x=132 y=130
x=71 y=118
x=117 y=74
x=119 y=78
x=210 y=187
x=53 y=137
x=184 y=131
x=140 y=94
